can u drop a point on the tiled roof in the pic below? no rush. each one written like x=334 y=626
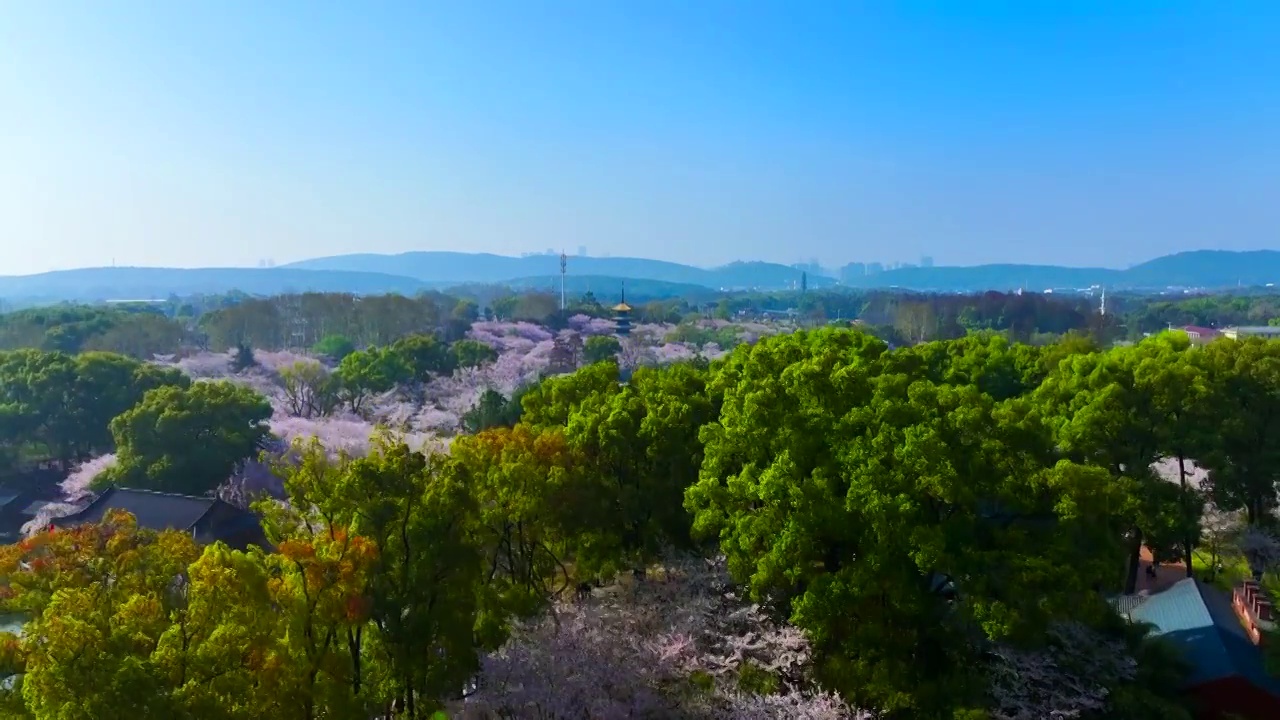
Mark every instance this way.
x=1125 y=604
x=153 y=510
x=1199 y=620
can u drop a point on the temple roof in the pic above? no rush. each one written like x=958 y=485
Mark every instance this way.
x=1198 y=620
x=622 y=307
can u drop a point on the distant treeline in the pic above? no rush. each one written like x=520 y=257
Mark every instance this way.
x=142 y=330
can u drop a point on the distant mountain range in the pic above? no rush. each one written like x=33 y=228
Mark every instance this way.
x=137 y=283
x=1199 y=269
x=410 y=273
x=454 y=267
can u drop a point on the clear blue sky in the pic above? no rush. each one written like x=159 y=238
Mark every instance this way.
x=220 y=133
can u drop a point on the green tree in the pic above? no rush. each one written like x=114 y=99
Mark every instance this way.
x=133 y=623
x=309 y=389
x=188 y=440
x=504 y=308
x=599 y=348
x=1101 y=412
x=472 y=353
x=423 y=356
x=897 y=521
x=1244 y=460
x=1172 y=373
x=369 y=372
x=99 y=598
x=466 y=311
x=492 y=410
x=138 y=335
x=64 y=404
x=536 y=506
x=336 y=347
x=985 y=360
x=554 y=399
x=639 y=440
x=36 y=406
x=423 y=587
x=106 y=386
x=643 y=441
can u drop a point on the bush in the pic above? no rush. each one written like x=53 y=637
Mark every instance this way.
x=335 y=347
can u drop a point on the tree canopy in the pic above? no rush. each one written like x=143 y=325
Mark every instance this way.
x=931 y=531
x=188 y=440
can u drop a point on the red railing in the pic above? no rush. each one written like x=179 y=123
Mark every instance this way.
x=1254 y=608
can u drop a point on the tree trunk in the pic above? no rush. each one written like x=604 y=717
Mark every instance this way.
x=353 y=647
x=1135 y=559
x=1188 y=542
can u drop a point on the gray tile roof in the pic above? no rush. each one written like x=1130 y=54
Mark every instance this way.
x=153 y=510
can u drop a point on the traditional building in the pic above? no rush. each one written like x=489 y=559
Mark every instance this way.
x=622 y=316
x=1218 y=636
x=208 y=520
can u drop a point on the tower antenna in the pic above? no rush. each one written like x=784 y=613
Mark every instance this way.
x=564 y=264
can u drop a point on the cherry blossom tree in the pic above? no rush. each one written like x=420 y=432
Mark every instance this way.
x=587 y=325
x=1261 y=549
x=673 y=645
x=713 y=351
x=1067 y=678
x=639 y=649
x=273 y=361
x=1220 y=532
x=204 y=365
x=497 y=333
x=673 y=352
x=76 y=487
x=75 y=493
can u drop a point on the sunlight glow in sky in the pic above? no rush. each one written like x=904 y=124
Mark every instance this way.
x=222 y=133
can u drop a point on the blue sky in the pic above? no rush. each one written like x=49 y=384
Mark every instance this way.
x=222 y=133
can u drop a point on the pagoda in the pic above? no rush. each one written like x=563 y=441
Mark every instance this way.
x=622 y=315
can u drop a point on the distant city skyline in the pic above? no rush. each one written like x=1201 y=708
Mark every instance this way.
x=203 y=134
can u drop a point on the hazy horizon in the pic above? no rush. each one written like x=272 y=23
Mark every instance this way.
x=220 y=135
x=552 y=268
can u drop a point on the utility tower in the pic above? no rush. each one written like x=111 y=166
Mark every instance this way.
x=564 y=264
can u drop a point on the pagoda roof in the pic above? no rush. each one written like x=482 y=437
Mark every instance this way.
x=622 y=307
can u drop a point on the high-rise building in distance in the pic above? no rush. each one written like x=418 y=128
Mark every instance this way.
x=849 y=274
x=926 y=261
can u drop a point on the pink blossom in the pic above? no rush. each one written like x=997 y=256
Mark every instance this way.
x=76 y=487
x=750 y=332
x=47 y=514
x=349 y=435
x=619 y=652
x=437 y=420
x=712 y=351
x=1066 y=679
x=204 y=365
x=486 y=329
x=254 y=479
x=673 y=352
x=650 y=334
x=274 y=361
x=1260 y=548
x=587 y=325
